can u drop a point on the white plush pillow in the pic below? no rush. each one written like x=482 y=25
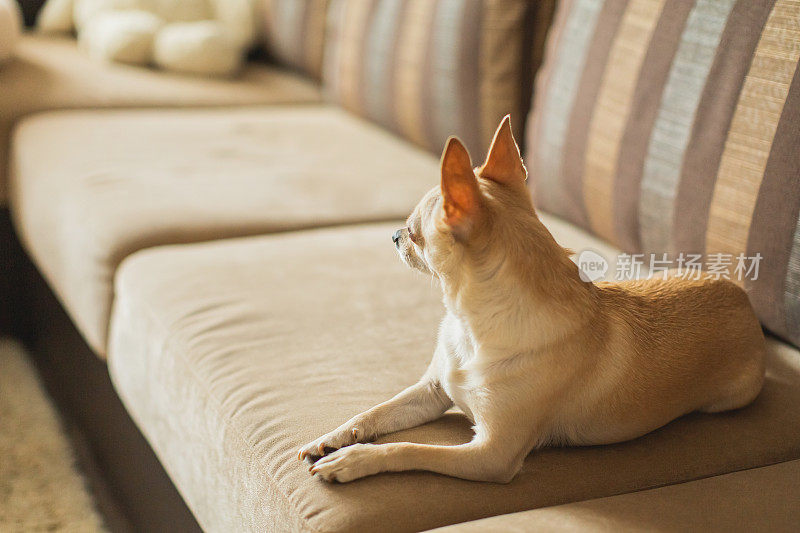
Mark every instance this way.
x=122 y=36
x=197 y=48
x=85 y=10
x=239 y=19
x=10 y=27
x=183 y=10
x=56 y=17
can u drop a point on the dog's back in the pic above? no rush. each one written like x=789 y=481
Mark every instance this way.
x=667 y=348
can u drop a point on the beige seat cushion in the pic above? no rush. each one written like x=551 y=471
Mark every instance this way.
x=761 y=499
x=90 y=188
x=230 y=355
x=53 y=73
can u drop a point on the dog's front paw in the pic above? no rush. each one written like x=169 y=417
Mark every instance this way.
x=336 y=439
x=347 y=464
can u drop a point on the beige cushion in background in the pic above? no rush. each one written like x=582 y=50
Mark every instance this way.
x=10 y=28
x=381 y=63
x=292 y=32
x=230 y=355
x=761 y=499
x=90 y=188
x=52 y=73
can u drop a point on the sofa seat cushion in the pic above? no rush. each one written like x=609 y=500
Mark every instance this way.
x=231 y=355
x=89 y=188
x=53 y=73
x=760 y=499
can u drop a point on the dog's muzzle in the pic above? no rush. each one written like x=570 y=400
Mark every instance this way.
x=396 y=238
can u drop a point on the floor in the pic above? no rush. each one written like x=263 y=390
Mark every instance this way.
x=40 y=487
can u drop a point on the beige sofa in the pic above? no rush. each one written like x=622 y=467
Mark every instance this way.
x=51 y=73
x=229 y=259
x=211 y=342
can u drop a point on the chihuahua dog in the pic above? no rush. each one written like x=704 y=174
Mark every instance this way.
x=532 y=354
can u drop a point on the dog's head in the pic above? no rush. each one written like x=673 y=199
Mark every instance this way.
x=474 y=214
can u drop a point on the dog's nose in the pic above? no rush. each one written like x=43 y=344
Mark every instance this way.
x=396 y=237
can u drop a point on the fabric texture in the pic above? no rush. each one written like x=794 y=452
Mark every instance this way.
x=760 y=499
x=52 y=73
x=231 y=355
x=90 y=188
x=293 y=32
x=429 y=69
x=673 y=127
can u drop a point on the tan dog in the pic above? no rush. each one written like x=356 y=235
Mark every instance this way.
x=532 y=354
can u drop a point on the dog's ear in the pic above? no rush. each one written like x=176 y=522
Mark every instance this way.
x=460 y=191
x=504 y=163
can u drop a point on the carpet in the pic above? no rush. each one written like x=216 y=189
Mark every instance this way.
x=40 y=486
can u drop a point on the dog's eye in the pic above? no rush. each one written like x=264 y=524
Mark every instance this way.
x=412 y=236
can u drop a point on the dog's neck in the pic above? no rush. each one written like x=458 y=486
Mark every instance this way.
x=520 y=301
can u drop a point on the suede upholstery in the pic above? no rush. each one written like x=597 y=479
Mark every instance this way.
x=231 y=355
x=52 y=73
x=84 y=197
x=760 y=499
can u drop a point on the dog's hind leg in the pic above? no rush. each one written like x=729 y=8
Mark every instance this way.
x=739 y=392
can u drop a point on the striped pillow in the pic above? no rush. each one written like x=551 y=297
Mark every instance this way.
x=428 y=69
x=294 y=32
x=675 y=127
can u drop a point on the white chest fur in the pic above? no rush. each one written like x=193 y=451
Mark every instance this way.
x=455 y=353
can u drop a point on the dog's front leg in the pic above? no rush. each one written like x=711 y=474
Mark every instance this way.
x=420 y=403
x=496 y=460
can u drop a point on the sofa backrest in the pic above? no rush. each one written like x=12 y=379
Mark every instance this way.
x=675 y=127
x=293 y=32
x=428 y=69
